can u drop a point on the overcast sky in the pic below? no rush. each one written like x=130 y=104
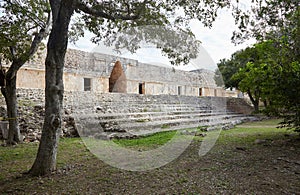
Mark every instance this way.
x=216 y=44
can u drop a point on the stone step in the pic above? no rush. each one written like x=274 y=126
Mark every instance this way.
x=127 y=108
x=132 y=116
x=137 y=115
x=125 y=124
x=170 y=105
x=166 y=123
x=156 y=117
x=212 y=126
x=149 y=105
x=148 y=108
x=229 y=123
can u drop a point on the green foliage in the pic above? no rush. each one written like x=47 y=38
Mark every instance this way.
x=268 y=19
x=162 y=24
x=272 y=76
x=21 y=22
x=238 y=60
x=218 y=78
x=253 y=75
x=286 y=99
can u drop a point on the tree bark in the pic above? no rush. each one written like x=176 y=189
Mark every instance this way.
x=265 y=103
x=45 y=161
x=10 y=94
x=255 y=102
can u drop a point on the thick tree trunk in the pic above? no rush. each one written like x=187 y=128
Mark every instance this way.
x=45 y=161
x=10 y=94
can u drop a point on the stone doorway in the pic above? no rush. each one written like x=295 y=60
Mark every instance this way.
x=179 y=90
x=141 y=88
x=117 y=79
x=200 y=92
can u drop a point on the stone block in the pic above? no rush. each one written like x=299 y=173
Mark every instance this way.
x=4 y=129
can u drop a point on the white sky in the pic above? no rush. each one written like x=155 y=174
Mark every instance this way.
x=216 y=44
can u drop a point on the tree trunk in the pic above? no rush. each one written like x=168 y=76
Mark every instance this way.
x=256 y=106
x=45 y=161
x=255 y=102
x=265 y=103
x=10 y=94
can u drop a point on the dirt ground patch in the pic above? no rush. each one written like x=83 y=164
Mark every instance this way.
x=235 y=165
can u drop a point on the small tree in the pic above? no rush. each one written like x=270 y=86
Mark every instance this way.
x=24 y=24
x=251 y=80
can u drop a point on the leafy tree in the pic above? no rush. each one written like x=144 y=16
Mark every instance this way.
x=106 y=18
x=254 y=78
x=251 y=79
x=24 y=25
x=278 y=21
x=228 y=67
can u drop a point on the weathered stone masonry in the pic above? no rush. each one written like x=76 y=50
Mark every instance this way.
x=133 y=107
x=93 y=72
x=102 y=84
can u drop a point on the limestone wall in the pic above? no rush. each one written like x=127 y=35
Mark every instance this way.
x=97 y=68
x=86 y=101
x=31 y=78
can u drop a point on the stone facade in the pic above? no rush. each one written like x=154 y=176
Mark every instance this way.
x=123 y=91
x=122 y=115
x=94 y=72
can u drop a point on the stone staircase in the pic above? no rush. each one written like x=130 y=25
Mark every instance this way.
x=131 y=116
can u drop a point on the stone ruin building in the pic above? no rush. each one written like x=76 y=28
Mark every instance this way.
x=102 y=73
x=117 y=97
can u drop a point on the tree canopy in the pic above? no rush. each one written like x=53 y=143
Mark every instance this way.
x=271 y=67
x=23 y=26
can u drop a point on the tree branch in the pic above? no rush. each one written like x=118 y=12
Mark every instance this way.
x=28 y=14
x=12 y=52
x=100 y=13
x=40 y=36
x=18 y=62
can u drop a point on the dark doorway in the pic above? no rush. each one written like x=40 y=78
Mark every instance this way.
x=141 y=88
x=179 y=90
x=87 y=84
x=117 y=79
x=200 y=91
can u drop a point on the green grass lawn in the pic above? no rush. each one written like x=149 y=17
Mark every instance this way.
x=152 y=141
x=69 y=148
x=247 y=133
x=81 y=170
x=18 y=159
